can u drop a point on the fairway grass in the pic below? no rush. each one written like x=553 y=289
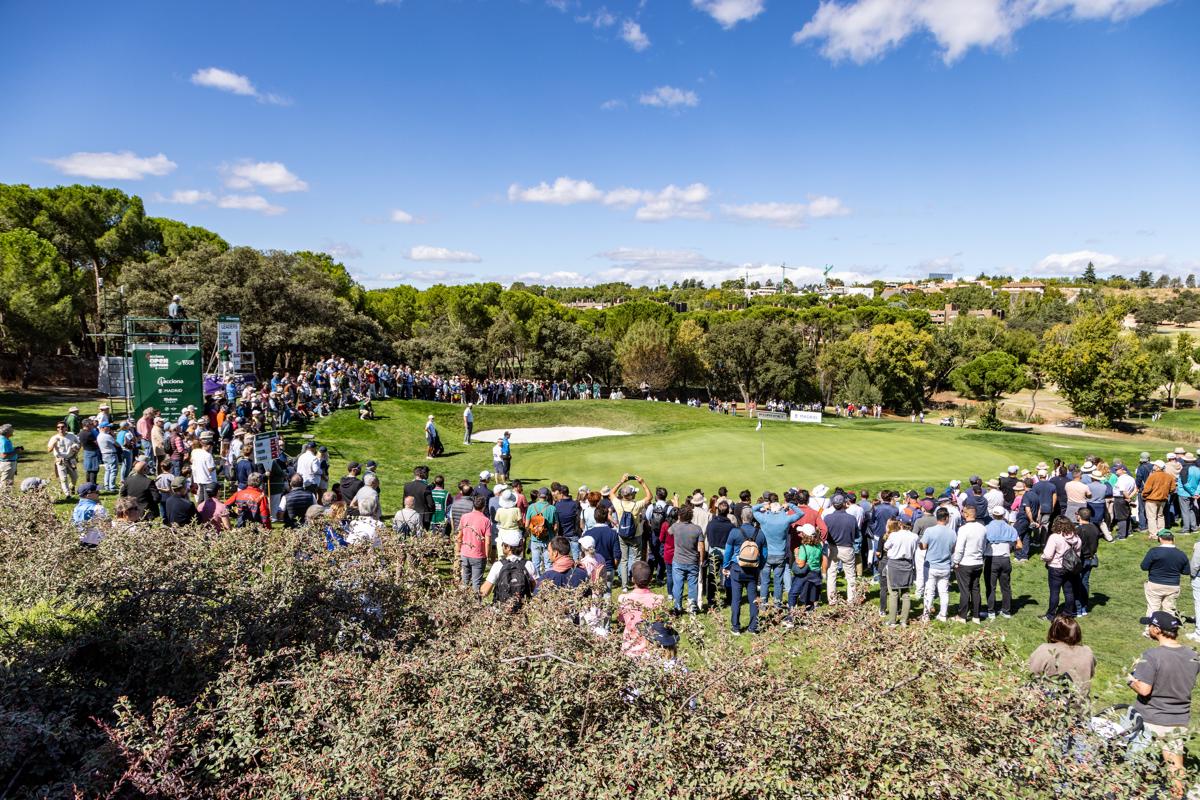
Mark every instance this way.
x=684 y=448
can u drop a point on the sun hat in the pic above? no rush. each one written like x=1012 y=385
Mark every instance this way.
x=583 y=488
x=587 y=543
x=997 y=511
x=1171 y=456
x=993 y=483
x=73 y=410
x=1163 y=620
x=1097 y=474
x=605 y=491
x=1043 y=465
x=1179 y=451
x=820 y=490
x=508 y=499
x=510 y=537
x=1088 y=466
x=698 y=499
x=628 y=490
x=1189 y=456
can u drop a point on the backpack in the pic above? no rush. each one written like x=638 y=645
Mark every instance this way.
x=1071 y=562
x=333 y=537
x=404 y=527
x=537 y=526
x=749 y=553
x=656 y=515
x=627 y=527
x=513 y=583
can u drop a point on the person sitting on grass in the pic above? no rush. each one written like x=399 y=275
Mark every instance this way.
x=89 y=516
x=632 y=607
x=563 y=572
x=1065 y=654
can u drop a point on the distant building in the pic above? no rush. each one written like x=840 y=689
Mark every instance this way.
x=849 y=291
x=589 y=305
x=947 y=315
x=762 y=291
x=941 y=276
x=1017 y=288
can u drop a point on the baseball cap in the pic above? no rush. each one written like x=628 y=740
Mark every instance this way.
x=997 y=511
x=322 y=449
x=1160 y=463
x=928 y=490
x=510 y=537
x=178 y=482
x=353 y=465
x=1165 y=534
x=808 y=529
x=544 y=492
x=1012 y=470
x=1163 y=620
x=912 y=494
x=662 y=635
x=955 y=483
x=485 y=475
x=1144 y=456
x=88 y=488
x=371 y=465
x=587 y=542
x=840 y=499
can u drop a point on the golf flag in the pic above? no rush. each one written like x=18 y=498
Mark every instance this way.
x=758 y=427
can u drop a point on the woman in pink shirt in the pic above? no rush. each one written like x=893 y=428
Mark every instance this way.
x=633 y=607
x=1062 y=538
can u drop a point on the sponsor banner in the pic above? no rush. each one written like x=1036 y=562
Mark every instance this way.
x=166 y=378
x=772 y=416
x=807 y=416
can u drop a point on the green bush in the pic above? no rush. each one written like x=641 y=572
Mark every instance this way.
x=179 y=664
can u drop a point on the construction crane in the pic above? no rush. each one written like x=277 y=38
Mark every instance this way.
x=783 y=268
x=828 y=269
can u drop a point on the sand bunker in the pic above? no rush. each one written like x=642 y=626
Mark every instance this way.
x=566 y=433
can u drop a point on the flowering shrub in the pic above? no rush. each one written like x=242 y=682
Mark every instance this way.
x=254 y=664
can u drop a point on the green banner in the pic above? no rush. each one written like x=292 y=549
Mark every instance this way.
x=167 y=378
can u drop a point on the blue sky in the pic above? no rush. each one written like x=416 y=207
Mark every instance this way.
x=574 y=141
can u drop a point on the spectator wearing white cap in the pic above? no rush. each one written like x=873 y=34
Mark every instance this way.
x=505 y=577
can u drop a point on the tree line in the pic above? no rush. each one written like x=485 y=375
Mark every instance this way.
x=73 y=258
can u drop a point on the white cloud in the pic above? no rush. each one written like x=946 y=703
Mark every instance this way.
x=341 y=250
x=1073 y=263
x=189 y=197
x=731 y=12
x=249 y=202
x=122 y=166
x=601 y=18
x=651 y=267
x=634 y=36
x=226 y=81
x=788 y=215
x=670 y=97
x=403 y=217
x=675 y=202
x=557 y=278
x=427 y=253
x=564 y=192
x=862 y=30
x=269 y=174
x=685 y=202
x=610 y=105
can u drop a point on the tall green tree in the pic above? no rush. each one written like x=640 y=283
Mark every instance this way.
x=643 y=355
x=37 y=298
x=1098 y=367
x=1172 y=361
x=96 y=230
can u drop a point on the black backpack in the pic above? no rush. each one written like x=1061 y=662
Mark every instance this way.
x=1071 y=562
x=513 y=582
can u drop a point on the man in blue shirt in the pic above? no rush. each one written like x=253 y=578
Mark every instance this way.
x=743 y=574
x=1163 y=566
x=567 y=512
x=938 y=543
x=775 y=520
x=608 y=545
x=1139 y=478
x=842 y=527
x=999 y=540
x=8 y=458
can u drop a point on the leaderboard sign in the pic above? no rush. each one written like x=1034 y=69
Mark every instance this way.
x=167 y=378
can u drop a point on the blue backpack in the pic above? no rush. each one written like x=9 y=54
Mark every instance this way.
x=627 y=526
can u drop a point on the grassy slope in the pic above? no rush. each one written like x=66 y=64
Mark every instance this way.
x=684 y=448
